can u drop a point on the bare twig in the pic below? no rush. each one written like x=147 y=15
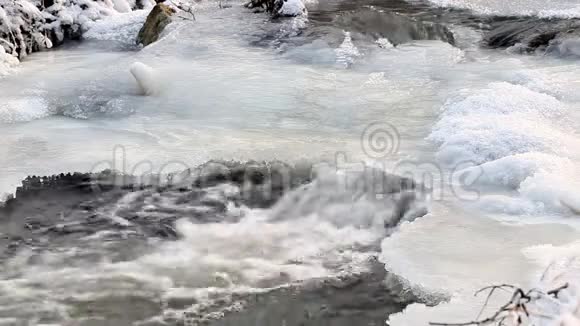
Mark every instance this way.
x=492 y=290
x=516 y=307
x=555 y=292
x=185 y=9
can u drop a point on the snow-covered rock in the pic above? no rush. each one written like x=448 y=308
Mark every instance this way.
x=118 y=28
x=292 y=8
x=156 y=22
x=285 y=8
x=27 y=26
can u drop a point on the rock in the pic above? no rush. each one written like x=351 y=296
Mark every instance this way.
x=531 y=34
x=268 y=5
x=279 y=8
x=159 y=17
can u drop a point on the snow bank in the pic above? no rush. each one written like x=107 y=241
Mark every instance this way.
x=522 y=139
x=7 y=62
x=499 y=121
x=118 y=28
x=28 y=26
x=563 y=267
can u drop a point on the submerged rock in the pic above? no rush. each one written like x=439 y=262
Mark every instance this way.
x=396 y=28
x=532 y=34
x=158 y=19
x=67 y=206
x=267 y=5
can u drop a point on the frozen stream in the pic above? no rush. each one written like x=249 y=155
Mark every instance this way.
x=236 y=86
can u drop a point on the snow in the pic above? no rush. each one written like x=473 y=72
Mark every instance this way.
x=292 y=8
x=556 y=267
x=24 y=28
x=119 y=28
x=520 y=138
x=383 y=43
x=121 y=6
x=27 y=26
x=7 y=62
x=145 y=77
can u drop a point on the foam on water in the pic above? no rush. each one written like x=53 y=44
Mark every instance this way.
x=212 y=265
x=346 y=53
x=18 y=110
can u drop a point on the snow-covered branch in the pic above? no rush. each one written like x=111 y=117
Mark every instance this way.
x=554 y=301
x=518 y=311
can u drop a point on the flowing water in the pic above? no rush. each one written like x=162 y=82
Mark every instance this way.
x=494 y=135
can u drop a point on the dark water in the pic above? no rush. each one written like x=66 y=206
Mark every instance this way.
x=402 y=21
x=52 y=215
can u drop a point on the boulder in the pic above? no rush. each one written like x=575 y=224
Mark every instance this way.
x=270 y=6
x=159 y=17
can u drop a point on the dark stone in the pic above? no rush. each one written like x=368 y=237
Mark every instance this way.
x=529 y=33
x=158 y=19
x=268 y=5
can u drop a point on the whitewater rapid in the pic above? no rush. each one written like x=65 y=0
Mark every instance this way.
x=237 y=86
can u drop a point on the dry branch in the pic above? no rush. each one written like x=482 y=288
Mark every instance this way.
x=516 y=309
x=185 y=9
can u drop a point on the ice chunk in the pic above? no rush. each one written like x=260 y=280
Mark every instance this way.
x=145 y=77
